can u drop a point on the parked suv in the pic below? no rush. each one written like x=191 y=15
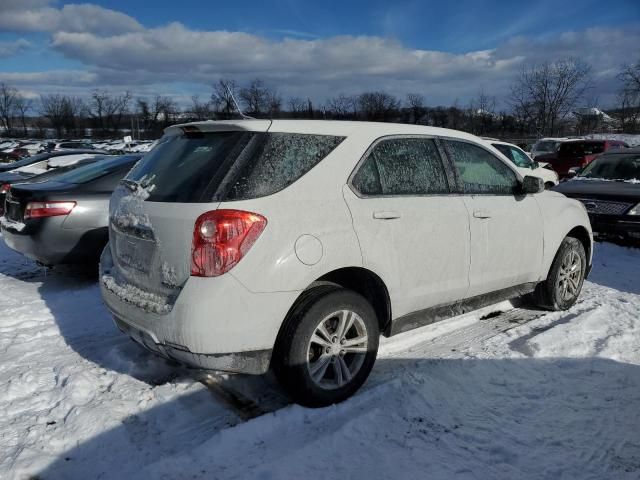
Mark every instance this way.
x=240 y=246
x=577 y=153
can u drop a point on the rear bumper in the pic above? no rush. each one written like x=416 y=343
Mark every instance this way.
x=214 y=323
x=48 y=243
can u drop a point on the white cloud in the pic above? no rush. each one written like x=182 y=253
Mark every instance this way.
x=9 y=49
x=118 y=52
x=36 y=16
x=320 y=67
x=51 y=78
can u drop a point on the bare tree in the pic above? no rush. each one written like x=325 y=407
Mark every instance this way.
x=273 y=102
x=62 y=111
x=628 y=97
x=297 y=106
x=415 y=103
x=23 y=106
x=343 y=106
x=201 y=110
x=482 y=113
x=546 y=93
x=222 y=97
x=379 y=106
x=107 y=110
x=8 y=96
x=255 y=97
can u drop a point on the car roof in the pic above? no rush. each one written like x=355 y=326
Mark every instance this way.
x=322 y=127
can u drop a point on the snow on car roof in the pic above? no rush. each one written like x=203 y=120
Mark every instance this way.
x=66 y=160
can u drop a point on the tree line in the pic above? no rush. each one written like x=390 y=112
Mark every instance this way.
x=543 y=100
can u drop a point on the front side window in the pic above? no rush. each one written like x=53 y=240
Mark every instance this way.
x=481 y=172
x=402 y=166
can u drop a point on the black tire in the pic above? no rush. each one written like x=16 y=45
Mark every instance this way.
x=292 y=350
x=549 y=293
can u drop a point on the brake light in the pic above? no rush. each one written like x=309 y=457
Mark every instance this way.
x=221 y=238
x=47 y=209
x=5 y=187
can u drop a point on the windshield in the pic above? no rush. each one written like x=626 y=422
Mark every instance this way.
x=98 y=169
x=547 y=146
x=516 y=155
x=613 y=168
x=236 y=165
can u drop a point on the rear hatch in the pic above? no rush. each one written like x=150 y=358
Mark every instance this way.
x=191 y=171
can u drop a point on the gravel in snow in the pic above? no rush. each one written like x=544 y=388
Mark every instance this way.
x=523 y=394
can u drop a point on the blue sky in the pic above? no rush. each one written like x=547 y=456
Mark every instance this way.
x=445 y=50
x=455 y=26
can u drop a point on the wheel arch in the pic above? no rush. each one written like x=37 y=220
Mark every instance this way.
x=582 y=234
x=362 y=281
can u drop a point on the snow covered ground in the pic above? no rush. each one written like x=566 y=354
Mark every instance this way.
x=518 y=395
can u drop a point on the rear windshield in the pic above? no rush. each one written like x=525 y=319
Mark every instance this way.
x=217 y=166
x=97 y=169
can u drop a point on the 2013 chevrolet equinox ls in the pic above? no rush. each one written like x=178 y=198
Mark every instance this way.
x=244 y=245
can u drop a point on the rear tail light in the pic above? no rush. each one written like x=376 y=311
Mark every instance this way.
x=221 y=238
x=47 y=209
x=4 y=189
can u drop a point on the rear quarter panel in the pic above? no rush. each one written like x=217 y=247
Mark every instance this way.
x=313 y=208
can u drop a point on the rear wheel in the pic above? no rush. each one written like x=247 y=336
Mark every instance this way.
x=327 y=347
x=564 y=283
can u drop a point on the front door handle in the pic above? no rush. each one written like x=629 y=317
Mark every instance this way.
x=386 y=215
x=482 y=213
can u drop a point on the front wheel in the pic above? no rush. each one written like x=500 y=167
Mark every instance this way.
x=327 y=347
x=563 y=285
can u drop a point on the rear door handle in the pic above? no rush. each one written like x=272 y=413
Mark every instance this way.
x=387 y=215
x=482 y=213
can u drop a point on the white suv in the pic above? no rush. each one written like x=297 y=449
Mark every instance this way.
x=245 y=245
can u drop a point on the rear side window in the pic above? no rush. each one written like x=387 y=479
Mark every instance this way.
x=219 y=166
x=580 y=149
x=481 y=172
x=402 y=166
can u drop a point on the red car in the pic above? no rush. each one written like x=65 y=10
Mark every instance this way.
x=577 y=153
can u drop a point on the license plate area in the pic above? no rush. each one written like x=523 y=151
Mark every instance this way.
x=14 y=211
x=134 y=253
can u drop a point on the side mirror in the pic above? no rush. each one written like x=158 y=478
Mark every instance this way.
x=573 y=171
x=535 y=165
x=531 y=184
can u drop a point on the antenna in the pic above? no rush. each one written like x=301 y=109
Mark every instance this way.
x=242 y=115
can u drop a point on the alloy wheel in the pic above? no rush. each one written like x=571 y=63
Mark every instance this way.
x=337 y=349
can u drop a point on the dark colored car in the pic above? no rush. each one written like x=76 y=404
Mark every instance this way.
x=65 y=219
x=609 y=188
x=15 y=176
x=45 y=156
x=577 y=153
